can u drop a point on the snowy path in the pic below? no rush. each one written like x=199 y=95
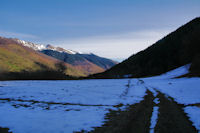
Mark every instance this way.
x=160 y=114
x=168 y=115
x=171 y=117
x=135 y=119
x=184 y=92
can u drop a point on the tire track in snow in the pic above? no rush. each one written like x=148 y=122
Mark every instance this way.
x=125 y=92
x=157 y=113
x=172 y=117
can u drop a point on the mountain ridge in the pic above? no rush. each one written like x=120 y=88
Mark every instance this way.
x=19 y=58
x=178 y=48
x=24 y=62
x=90 y=63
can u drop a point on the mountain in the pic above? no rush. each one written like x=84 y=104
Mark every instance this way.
x=99 y=61
x=88 y=63
x=179 y=48
x=75 y=60
x=17 y=60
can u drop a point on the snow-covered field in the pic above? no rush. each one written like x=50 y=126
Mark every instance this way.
x=62 y=106
x=67 y=106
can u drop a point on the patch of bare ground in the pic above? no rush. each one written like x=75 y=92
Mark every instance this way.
x=135 y=119
x=4 y=130
x=172 y=118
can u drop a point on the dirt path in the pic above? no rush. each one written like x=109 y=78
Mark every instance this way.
x=172 y=118
x=137 y=118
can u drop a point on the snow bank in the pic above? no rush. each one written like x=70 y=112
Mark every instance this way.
x=154 y=118
x=194 y=114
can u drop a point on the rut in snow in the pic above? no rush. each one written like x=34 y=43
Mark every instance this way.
x=125 y=92
x=157 y=113
x=171 y=117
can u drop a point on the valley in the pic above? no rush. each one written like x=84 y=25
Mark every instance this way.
x=105 y=105
x=58 y=72
x=25 y=60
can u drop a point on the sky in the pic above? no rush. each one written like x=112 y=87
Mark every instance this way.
x=114 y=29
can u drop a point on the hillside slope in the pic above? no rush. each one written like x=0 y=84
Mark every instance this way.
x=176 y=49
x=16 y=58
x=87 y=62
x=75 y=60
x=99 y=61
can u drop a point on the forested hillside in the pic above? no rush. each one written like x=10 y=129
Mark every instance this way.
x=176 y=49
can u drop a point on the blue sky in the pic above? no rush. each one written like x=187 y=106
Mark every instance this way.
x=111 y=28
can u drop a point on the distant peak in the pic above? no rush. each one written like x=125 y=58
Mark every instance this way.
x=59 y=49
x=40 y=47
x=31 y=45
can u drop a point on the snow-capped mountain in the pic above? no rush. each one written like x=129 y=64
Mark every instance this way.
x=18 y=61
x=40 y=47
x=59 y=49
x=87 y=61
x=34 y=46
